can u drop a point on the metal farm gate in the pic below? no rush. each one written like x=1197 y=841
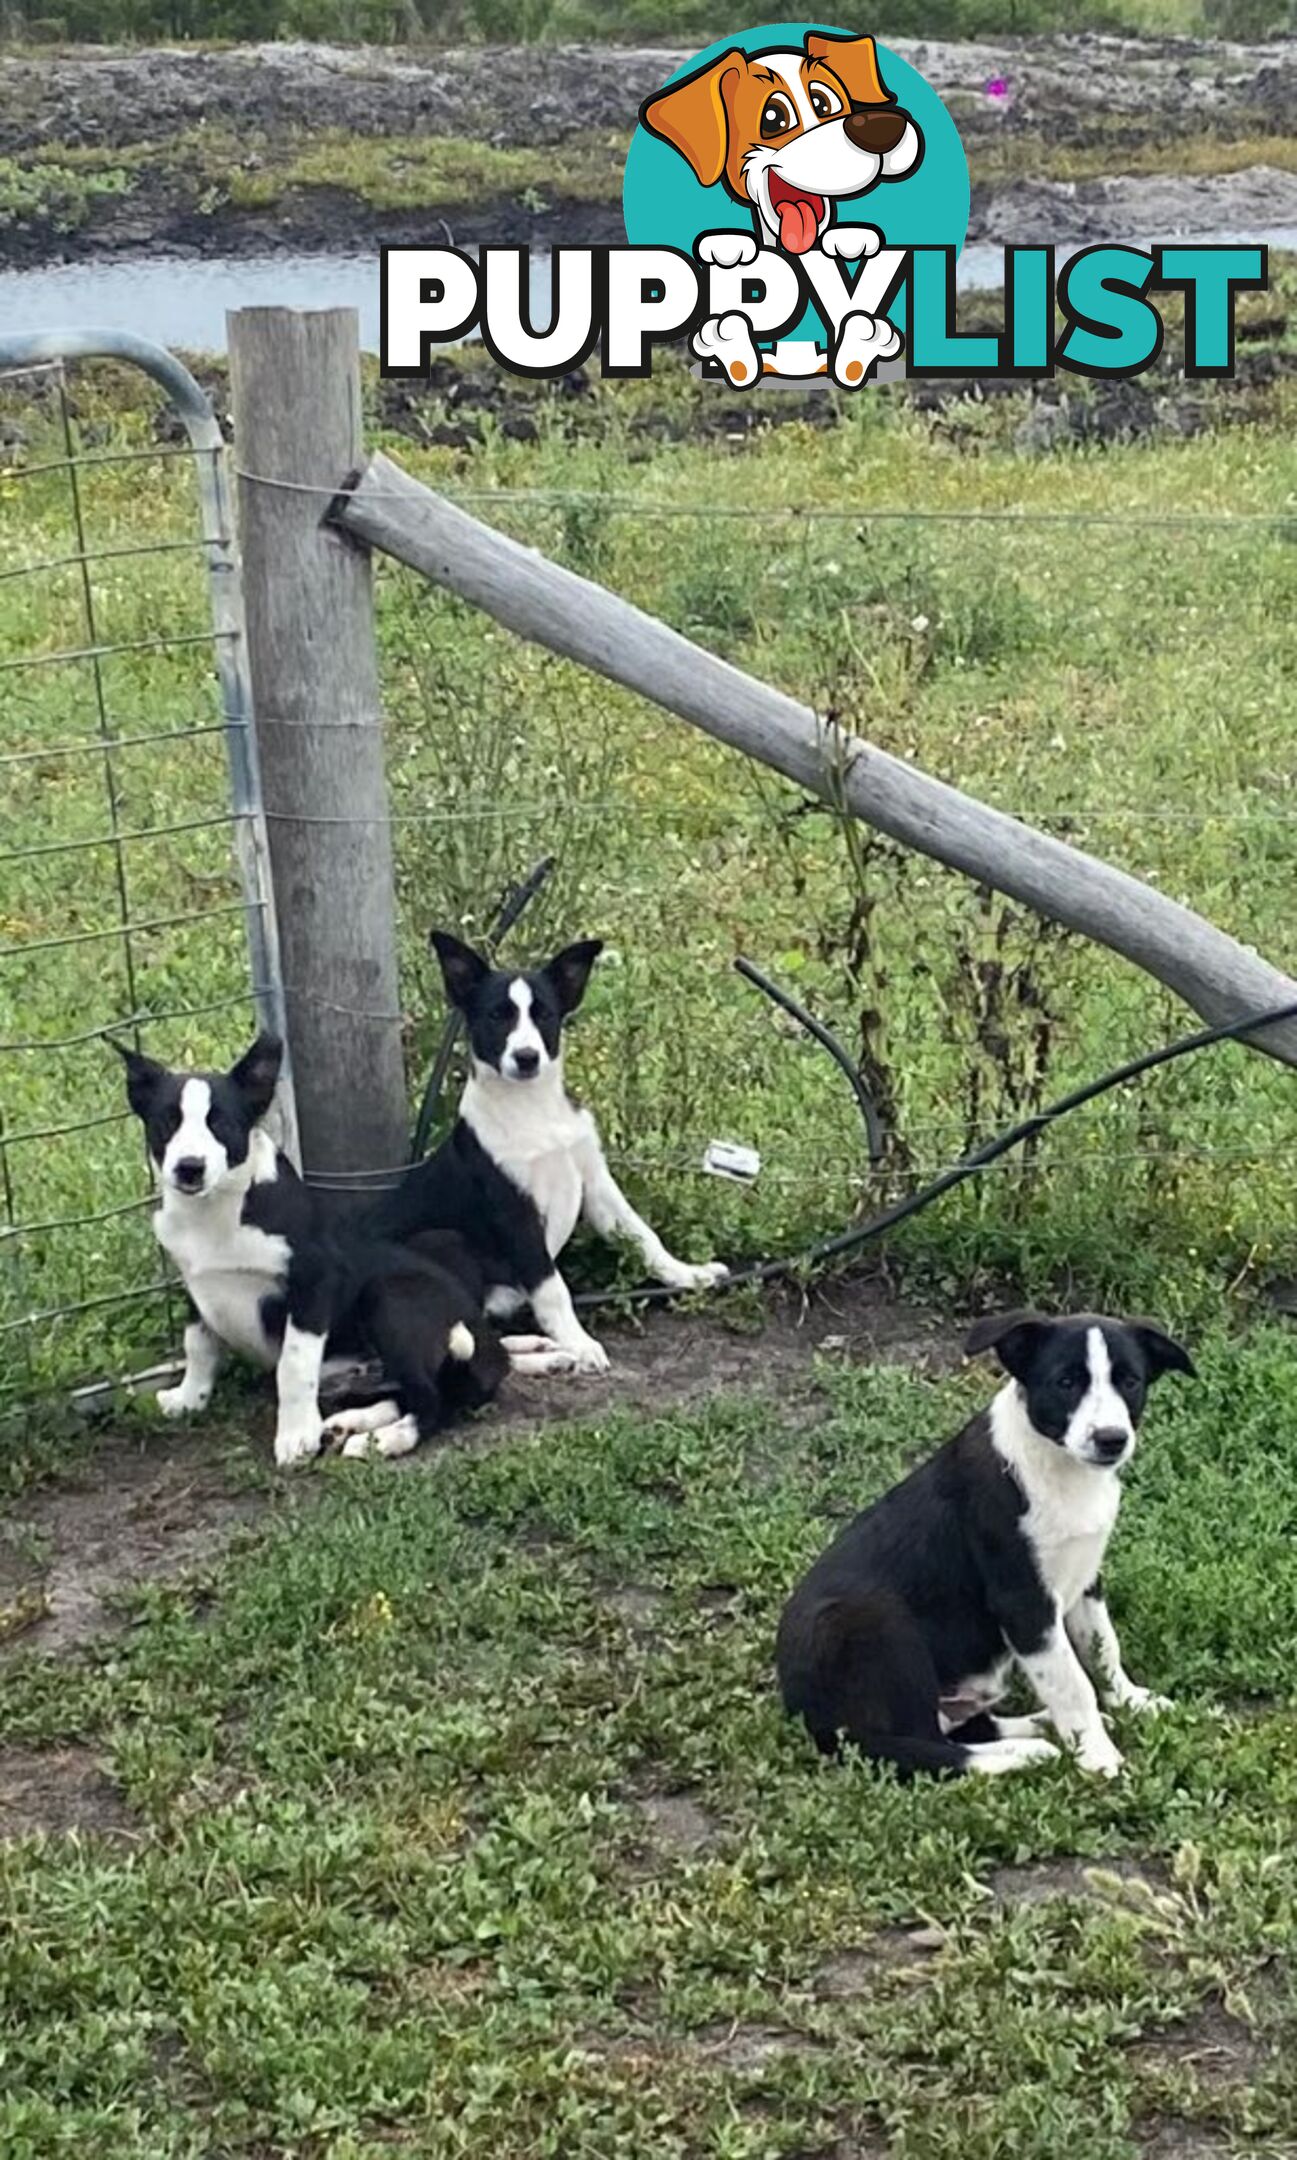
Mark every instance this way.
x=135 y=896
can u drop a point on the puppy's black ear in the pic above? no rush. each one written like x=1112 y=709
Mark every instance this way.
x=143 y=1077
x=1015 y=1337
x=569 y=971
x=1162 y=1353
x=256 y=1073
x=461 y=968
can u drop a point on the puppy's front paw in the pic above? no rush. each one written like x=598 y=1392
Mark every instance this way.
x=182 y=1400
x=682 y=1276
x=298 y=1442
x=588 y=1356
x=863 y=341
x=728 y=340
x=1145 y=1701
x=727 y=250
x=1100 y=1756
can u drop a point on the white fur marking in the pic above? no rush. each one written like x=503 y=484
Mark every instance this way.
x=1071 y=1504
x=460 y=1344
x=363 y=1418
x=523 y=1035
x=999 y=1758
x=398 y=1439
x=297 y=1379
x=1101 y=1408
x=194 y=1141
x=228 y=1266
x=202 y=1361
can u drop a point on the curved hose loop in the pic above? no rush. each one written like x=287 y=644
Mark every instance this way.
x=828 y=1041
x=858 y=1234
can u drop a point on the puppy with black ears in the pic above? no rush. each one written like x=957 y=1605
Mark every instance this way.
x=267 y=1276
x=903 y=1636
x=523 y=1163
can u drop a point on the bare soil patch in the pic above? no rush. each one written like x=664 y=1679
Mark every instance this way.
x=56 y=1790
x=154 y=1505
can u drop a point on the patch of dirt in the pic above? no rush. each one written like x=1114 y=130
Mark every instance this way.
x=669 y=1359
x=1122 y=92
x=749 y=2047
x=145 y=1511
x=1042 y=1882
x=545 y=94
x=1137 y=210
x=1170 y=2138
x=1218 y=2048
x=897 y=1952
x=640 y=1608
x=56 y=1790
x=677 y=1824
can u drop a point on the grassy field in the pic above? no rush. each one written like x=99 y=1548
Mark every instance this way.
x=1123 y=683
x=452 y=1812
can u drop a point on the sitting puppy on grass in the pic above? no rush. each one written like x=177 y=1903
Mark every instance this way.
x=903 y=1636
x=522 y=1162
x=267 y=1276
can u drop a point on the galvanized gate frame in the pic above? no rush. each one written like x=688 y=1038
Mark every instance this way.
x=225 y=577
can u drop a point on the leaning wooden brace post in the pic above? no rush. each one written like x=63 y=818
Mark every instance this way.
x=295 y=385
x=1219 y=977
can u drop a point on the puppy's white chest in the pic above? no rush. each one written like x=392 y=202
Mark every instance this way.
x=229 y=1268
x=1069 y=1532
x=553 y=1182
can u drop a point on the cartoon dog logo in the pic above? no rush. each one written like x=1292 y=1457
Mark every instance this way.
x=790 y=133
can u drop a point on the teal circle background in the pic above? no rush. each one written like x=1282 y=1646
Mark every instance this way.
x=664 y=205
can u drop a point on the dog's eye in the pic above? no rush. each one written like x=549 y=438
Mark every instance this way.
x=777 y=116
x=824 y=103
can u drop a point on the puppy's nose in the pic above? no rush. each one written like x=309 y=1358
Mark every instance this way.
x=526 y=1061
x=1109 y=1443
x=189 y=1172
x=875 y=127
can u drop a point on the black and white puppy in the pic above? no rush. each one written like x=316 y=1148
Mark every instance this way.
x=902 y=1637
x=267 y=1276
x=523 y=1163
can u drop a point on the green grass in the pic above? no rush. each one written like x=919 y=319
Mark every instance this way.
x=1125 y=685
x=395 y=1885
x=217 y=171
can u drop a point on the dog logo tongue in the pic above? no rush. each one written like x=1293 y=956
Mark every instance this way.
x=799 y=215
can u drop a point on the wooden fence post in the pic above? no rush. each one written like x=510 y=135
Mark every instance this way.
x=295 y=386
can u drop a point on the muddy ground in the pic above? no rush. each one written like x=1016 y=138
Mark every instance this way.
x=1121 y=95
x=148 y=1505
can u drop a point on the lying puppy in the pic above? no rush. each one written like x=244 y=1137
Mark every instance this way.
x=522 y=1162
x=903 y=1635
x=267 y=1276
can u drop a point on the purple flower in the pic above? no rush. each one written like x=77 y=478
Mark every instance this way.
x=997 y=87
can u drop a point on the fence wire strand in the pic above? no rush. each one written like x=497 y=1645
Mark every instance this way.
x=88 y=729
x=136 y=930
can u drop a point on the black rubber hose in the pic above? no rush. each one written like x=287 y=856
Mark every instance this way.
x=864 y=1100
x=859 y=1234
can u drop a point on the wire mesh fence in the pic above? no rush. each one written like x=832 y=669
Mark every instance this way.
x=1118 y=676
x=133 y=897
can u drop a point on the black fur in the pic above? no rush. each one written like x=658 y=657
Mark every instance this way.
x=459 y=1186
x=937 y=1584
x=918 y=1593
x=481 y=992
x=369 y=1295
